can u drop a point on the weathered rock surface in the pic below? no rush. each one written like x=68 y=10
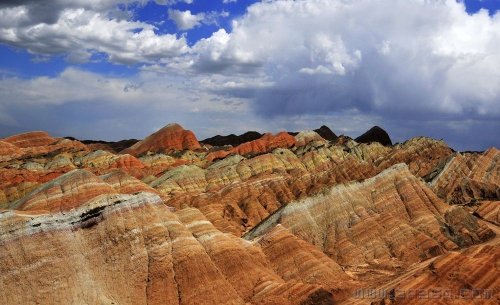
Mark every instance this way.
x=30 y=139
x=468 y=177
x=131 y=249
x=172 y=136
x=9 y=151
x=455 y=278
x=125 y=184
x=266 y=143
x=490 y=211
x=393 y=215
x=64 y=193
x=162 y=224
x=304 y=137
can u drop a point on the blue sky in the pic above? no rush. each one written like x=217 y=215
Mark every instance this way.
x=111 y=69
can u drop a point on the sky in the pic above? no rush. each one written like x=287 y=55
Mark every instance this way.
x=119 y=69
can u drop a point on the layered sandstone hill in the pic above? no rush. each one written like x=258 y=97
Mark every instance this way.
x=162 y=221
x=64 y=193
x=131 y=249
x=393 y=215
x=469 y=176
x=172 y=136
x=469 y=277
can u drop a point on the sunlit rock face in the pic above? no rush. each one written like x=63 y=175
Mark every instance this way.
x=9 y=151
x=307 y=136
x=490 y=211
x=469 y=176
x=455 y=278
x=131 y=249
x=272 y=219
x=172 y=136
x=266 y=143
x=390 y=215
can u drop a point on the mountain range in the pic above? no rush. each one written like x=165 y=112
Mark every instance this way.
x=303 y=217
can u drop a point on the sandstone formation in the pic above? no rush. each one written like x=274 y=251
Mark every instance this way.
x=469 y=176
x=321 y=217
x=172 y=136
x=131 y=249
x=9 y=151
x=350 y=222
x=64 y=193
x=455 y=278
x=490 y=211
x=375 y=134
x=266 y=143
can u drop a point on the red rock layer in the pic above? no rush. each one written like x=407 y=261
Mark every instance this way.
x=296 y=260
x=172 y=136
x=468 y=177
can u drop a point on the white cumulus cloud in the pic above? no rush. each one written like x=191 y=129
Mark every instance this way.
x=185 y=20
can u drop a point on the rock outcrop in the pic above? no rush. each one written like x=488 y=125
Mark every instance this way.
x=9 y=151
x=490 y=211
x=455 y=278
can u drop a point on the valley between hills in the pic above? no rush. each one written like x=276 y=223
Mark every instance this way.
x=290 y=218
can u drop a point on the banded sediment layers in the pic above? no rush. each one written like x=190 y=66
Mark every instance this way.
x=291 y=218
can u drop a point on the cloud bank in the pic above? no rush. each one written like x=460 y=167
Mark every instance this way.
x=415 y=67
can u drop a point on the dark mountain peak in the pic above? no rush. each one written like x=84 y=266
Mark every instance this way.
x=375 y=134
x=326 y=133
x=232 y=139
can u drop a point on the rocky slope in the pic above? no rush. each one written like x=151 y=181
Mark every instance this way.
x=321 y=217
